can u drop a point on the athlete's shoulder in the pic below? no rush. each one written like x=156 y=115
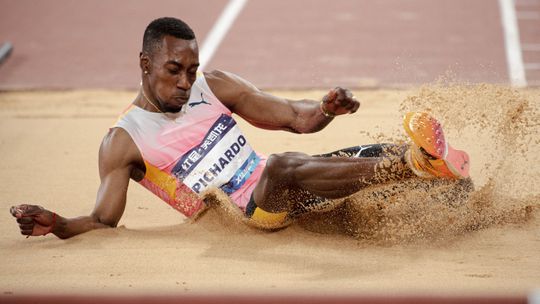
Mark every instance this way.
x=217 y=79
x=118 y=149
x=117 y=135
x=216 y=74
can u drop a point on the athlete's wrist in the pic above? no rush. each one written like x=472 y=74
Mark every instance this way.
x=53 y=225
x=325 y=112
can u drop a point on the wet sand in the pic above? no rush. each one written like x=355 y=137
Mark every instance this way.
x=486 y=245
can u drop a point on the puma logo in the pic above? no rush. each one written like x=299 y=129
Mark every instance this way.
x=199 y=102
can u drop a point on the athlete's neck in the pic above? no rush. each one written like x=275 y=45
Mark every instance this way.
x=149 y=102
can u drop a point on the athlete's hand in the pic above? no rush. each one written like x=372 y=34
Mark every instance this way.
x=33 y=220
x=339 y=101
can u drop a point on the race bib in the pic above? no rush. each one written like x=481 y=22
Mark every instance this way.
x=223 y=159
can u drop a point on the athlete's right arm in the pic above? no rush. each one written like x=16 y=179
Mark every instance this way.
x=118 y=156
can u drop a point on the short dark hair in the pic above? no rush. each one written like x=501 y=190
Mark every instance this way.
x=157 y=29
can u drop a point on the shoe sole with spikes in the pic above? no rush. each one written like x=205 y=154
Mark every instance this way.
x=427 y=133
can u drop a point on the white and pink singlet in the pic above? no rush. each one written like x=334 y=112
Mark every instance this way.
x=188 y=152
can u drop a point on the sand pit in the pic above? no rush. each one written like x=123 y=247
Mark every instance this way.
x=397 y=243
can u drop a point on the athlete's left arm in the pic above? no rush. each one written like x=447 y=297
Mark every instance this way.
x=276 y=113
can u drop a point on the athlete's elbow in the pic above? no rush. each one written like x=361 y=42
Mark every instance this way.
x=108 y=223
x=63 y=236
x=105 y=221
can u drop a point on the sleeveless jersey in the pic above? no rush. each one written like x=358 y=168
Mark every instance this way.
x=187 y=152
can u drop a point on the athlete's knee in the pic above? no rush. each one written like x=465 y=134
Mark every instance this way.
x=283 y=165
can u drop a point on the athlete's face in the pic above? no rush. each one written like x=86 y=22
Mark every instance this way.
x=172 y=70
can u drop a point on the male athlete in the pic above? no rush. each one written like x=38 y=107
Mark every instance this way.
x=178 y=139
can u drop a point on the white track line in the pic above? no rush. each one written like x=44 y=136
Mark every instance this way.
x=219 y=30
x=514 y=58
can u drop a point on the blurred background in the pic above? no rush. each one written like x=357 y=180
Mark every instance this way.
x=278 y=44
x=90 y=49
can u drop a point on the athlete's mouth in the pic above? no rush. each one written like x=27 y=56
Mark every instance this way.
x=181 y=98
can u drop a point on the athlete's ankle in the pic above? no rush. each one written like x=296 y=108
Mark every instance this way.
x=417 y=162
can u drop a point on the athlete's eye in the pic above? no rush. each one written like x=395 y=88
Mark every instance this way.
x=173 y=71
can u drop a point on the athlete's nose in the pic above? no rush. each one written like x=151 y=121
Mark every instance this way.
x=183 y=82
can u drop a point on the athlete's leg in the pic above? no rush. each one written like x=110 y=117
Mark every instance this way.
x=295 y=177
x=374 y=150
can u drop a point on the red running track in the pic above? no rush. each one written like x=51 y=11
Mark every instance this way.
x=295 y=44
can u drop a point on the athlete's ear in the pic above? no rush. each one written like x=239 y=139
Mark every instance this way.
x=144 y=62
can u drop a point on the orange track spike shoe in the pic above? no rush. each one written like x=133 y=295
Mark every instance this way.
x=430 y=155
